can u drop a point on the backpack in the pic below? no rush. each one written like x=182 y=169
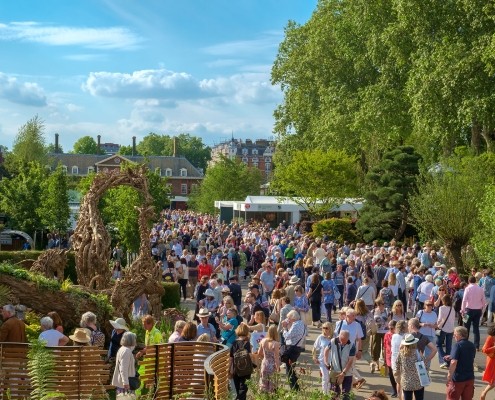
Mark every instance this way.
x=487 y=285
x=458 y=302
x=243 y=365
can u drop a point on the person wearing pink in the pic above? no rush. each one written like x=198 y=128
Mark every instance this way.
x=387 y=349
x=472 y=306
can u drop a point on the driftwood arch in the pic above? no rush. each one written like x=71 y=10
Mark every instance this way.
x=92 y=243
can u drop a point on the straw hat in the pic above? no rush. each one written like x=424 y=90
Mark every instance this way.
x=294 y=280
x=119 y=323
x=81 y=335
x=203 y=312
x=409 y=340
x=209 y=293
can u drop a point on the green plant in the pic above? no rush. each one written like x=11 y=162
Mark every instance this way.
x=171 y=297
x=41 y=371
x=33 y=328
x=340 y=229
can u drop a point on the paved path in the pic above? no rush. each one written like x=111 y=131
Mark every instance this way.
x=435 y=391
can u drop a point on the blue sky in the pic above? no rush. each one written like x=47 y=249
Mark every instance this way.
x=123 y=68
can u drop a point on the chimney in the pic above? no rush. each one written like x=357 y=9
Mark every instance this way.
x=134 y=145
x=98 y=141
x=174 y=154
x=56 y=144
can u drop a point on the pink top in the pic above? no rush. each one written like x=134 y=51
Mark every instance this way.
x=474 y=298
x=447 y=325
x=387 y=343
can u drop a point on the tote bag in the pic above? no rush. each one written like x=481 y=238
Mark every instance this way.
x=424 y=378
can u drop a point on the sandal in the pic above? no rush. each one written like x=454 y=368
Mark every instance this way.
x=360 y=383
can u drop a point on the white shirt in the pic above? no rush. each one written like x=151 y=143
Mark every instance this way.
x=320 y=344
x=395 y=346
x=355 y=330
x=447 y=325
x=51 y=337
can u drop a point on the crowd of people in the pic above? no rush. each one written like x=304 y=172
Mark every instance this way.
x=396 y=307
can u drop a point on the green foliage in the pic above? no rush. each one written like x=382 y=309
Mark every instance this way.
x=226 y=180
x=29 y=145
x=386 y=210
x=315 y=179
x=190 y=147
x=86 y=145
x=41 y=371
x=21 y=196
x=33 y=327
x=54 y=210
x=171 y=297
x=340 y=229
x=368 y=76
x=484 y=237
x=446 y=206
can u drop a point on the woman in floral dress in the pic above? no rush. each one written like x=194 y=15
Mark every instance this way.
x=269 y=352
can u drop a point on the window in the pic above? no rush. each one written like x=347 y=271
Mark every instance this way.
x=64 y=168
x=244 y=151
x=183 y=172
x=268 y=160
x=91 y=170
x=255 y=151
x=245 y=160
x=255 y=160
x=158 y=171
x=75 y=170
x=168 y=172
x=268 y=166
x=183 y=188
x=255 y=164
x=194 y=187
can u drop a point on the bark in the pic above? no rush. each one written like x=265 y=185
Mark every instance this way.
x=455 y=252
x=403 y=225
x=476 y=137
x=486 y=134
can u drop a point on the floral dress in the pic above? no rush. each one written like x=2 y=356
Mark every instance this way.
x=268 y=368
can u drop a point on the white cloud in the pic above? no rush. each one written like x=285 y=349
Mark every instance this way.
x=94 y=38
x=26 y=93
x=174 y=87
x=269 y=42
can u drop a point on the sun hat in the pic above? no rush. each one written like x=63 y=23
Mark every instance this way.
x=119 y=323
x=409 y=340
x=81 y=335
x=225 y=289
x=203 y=312
x=209 y=293
x=294 y=280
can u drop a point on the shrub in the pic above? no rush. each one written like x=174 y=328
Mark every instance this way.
x=340 y=229
x=171 y=297
x=306 y=226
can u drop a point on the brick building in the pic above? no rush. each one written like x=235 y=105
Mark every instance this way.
x=257 y=154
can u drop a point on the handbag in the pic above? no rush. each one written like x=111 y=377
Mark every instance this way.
x=438 y=331
x=275 y=315
x=424 y=378
x=134 y=382
x=291 y=352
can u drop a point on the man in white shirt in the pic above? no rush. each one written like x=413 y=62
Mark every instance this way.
x=51 y=336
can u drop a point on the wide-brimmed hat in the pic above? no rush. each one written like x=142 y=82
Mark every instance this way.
x=81 y=335
x=209 y=293
x=294 y=280
x=119 y=323
x=225 y=290
x=203 y=312
x=409 y=340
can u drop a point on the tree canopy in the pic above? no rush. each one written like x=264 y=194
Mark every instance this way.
x=86 y=145
x=29 y=145
x=225 y=180
x=317 y=180
x=368 y=76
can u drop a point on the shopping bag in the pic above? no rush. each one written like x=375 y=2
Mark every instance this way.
x=424 y=378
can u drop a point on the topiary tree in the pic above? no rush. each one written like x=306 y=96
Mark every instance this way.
x=385 y=213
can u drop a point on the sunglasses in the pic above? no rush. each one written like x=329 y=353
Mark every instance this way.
x=326 y=327
x=429 y=305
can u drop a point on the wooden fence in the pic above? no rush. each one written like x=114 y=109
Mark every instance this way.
x=80 y=372
x=197 y=369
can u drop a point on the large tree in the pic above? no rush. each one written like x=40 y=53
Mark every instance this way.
x=317 y=180
x=226 y=180
x=86 y=145
x=385 y=213
x=21 y=195
x=29 y=145
x=445 y=207
x=54 y=210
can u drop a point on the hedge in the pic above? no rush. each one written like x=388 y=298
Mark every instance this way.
x=15 y=257
x=340 y=229
x=171 y=297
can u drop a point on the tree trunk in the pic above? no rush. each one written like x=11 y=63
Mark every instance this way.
x=476 y=137
x=69 y=306
x=403 y=225
x=455 y=252
x=486 y=134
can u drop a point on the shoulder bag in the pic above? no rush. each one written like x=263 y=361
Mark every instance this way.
x=291 y=352
x=438 y=331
